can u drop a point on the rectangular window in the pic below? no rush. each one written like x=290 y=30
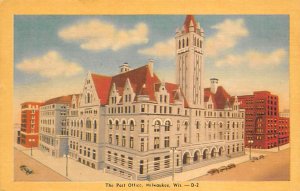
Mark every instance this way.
x=123 y=141
x=143 y=108
x=156 y=163
x=142 y=126
x=95 y=137
x=155 y=109
x=122 y=160
x=142 y=144
x=108 y=156
x=156 y=142
x=117 y=139
x=130 y=162
x=110 y=139
x=167 y=161
x=131 y=142
x=167 y=142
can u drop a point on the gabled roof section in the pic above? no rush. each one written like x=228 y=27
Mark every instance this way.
x=172 y=90
x=102 y=84
x=188 y=20
x=140 y=79
x=219 y=99
x=59 y=100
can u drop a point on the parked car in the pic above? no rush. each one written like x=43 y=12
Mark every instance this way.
x=222 y=168
x=213 y=171
x=26 y=169
x=231 y=166
x=261 y=157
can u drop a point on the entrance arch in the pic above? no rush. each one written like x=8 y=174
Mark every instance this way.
x=186 y=158
x=204 y=154
x=213 y=153
x=220 y=151
x=196 y=156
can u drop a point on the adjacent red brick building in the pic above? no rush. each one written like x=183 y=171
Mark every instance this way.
x=29 y=124
x=262 y=122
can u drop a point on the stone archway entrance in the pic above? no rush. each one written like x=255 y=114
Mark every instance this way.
x=220 y=151
x=196 y=156
x=186 y=158
x=213 y=153
x=205 y=153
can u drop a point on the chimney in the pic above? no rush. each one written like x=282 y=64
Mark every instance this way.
x=150 y=66
x=213 y=85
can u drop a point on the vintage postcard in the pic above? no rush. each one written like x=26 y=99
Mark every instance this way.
x=133 y=95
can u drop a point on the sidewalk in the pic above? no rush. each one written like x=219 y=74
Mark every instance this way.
x=191 y=174
x=275 y=149
x=76 y=170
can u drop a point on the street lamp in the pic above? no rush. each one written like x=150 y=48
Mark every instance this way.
x=67 y=153
x=173 y=151
x=278 y=140
x=250 y=142
x=31 y=140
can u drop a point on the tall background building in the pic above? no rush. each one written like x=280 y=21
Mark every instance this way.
x=263 y=124
x=29 y=124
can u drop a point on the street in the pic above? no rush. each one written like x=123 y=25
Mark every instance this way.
x=40 y=171
x=274 y=167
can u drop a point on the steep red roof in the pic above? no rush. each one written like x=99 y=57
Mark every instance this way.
x=59 y=100
x=188 y=20
x=137 y=77
x=102 y=85
x=141 y=82
x=219 y=99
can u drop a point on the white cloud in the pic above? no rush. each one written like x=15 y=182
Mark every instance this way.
x=228 y=34
x=50 y=65
x=97 y=35
x=253 y=59
x=165 y=49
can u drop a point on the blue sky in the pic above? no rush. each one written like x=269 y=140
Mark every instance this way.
x=52 y=54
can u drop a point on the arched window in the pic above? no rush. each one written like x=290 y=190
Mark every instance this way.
x=186 y=125
x=187 y=42
x=167 y=125
x=131 y=125
x=209 y=124
x=179 y=44
x=182 y=43
x=157 y=126
x=110 y=124
x=221 y=125
x=117 y=124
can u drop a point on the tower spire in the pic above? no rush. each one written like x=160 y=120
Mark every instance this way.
x=189 y=61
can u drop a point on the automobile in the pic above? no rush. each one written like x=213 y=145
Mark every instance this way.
x=254 y=159
x=232 y=165
x=26 y=169
x=261 y=157
x=213 y=171
x=222 y=168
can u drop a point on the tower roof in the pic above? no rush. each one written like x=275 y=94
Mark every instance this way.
x=188 y=20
